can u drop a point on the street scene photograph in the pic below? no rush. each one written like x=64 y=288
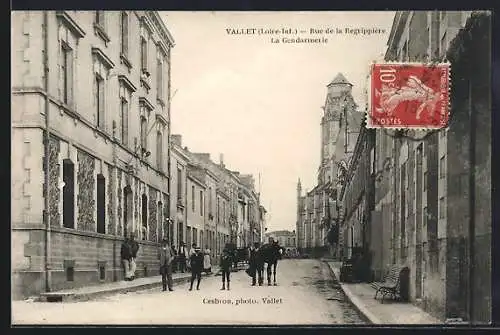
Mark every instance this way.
x=251 y=168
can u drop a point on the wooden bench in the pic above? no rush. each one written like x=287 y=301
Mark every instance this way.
x=390 y=284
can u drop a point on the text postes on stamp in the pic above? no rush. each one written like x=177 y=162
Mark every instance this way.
x=409 y=95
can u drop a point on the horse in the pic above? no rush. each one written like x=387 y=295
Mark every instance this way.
x=270 y=253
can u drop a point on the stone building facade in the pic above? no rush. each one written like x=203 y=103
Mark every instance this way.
x=319 y=210
x=179 y=160
x=285 y=238
x=433 y=193
x=106 y=106
x=219 y=204
x=357 y=194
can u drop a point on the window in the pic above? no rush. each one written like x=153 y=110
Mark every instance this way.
x=127 y=209
x=144 y=234
x=201 y=202
x=163 y=234
x=124 y=34
x=424 y=217
x=179 y=183
x=159 y=150
x=99 y=19
x=68 y=194
x=124 y=121
x=66 y=68
x=159 y=77
x=144 y=55
x=425 y=181
x=441 y=208
x=192 y=199
x=442 y=169
x=99 y=100
x=210 y=200
x=101 y=204
x=223 y=211
x=144 y=134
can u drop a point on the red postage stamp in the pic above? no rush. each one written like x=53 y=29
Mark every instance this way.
x=409 y=96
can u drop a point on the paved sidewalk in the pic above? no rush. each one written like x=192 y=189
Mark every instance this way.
x=362 y=297
x=99 y=290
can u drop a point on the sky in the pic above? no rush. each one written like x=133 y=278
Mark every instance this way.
x=259 y=103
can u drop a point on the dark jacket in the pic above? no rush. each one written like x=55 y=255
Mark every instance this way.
x=226 y=260
x=125 y=250
x=196 y=262
x=166 y=257
x=129 y=249
x=134 y=248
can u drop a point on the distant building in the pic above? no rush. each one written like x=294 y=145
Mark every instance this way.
x=320 y=209
x=285 y=238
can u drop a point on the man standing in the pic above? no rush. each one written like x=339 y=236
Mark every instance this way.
x=196 y=261
x=134 y=248
x=225 y=264
x=182 y=256
x=126 y=256
x=166 y=257
x=128 y=253
x=256 y=265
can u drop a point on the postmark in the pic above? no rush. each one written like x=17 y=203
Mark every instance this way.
x=409 y=95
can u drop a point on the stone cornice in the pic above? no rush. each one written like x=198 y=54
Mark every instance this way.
x=103 y=58
x=123 y=79
x=161 y=28
x=147 y=103
x=68 y=21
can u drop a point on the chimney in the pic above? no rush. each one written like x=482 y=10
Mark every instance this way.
x=221 y=159
x=176 y=139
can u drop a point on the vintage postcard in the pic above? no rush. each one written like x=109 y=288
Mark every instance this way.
x=251 y=168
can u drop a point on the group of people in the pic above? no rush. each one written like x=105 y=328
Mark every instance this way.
x=182 y=258
x=194 y=260
x=199 y=262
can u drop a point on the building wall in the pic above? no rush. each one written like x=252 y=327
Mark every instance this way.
x=93 y=149
x=431 y=184
x=195 y=222
x=178 y=191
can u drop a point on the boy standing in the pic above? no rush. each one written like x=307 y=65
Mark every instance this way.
x=225 y=264
x=196 y=262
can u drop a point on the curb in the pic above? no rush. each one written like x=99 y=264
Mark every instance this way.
x=74 y=297
x=354 y=300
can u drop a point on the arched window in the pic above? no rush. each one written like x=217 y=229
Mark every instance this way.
x=68 y=194
x=101 y=204
x=127 y=210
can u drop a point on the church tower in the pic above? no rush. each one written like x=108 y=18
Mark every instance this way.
x=339 y=96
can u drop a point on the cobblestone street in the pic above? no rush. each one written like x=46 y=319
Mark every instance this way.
x=306 y=294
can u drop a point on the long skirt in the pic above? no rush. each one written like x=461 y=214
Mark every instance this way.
x=207 y=264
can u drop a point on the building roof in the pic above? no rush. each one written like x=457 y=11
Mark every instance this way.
x=339 y=80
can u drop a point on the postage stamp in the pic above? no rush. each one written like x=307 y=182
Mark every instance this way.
x=409 y=95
